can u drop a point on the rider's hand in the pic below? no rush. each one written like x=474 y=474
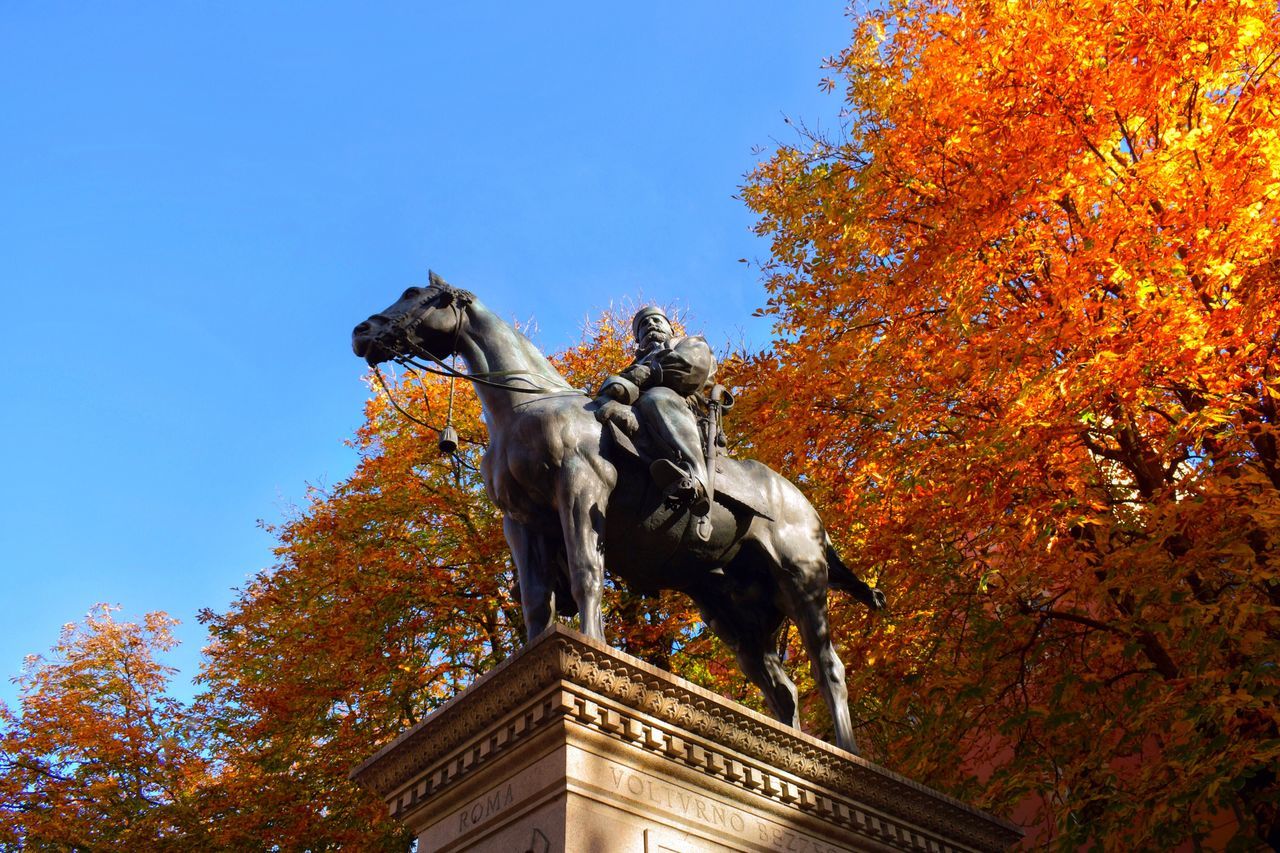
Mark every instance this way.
x=640 y=374
x=620 y=414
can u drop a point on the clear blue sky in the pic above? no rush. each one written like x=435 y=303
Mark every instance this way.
x=200 y=200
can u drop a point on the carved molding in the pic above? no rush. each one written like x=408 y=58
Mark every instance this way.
x=565 y=677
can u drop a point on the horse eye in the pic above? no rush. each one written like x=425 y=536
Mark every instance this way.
x=411 y=293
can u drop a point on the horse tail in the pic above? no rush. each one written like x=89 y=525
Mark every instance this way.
x=841 y=577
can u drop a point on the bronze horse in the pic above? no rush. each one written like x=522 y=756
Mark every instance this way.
x=575 y=497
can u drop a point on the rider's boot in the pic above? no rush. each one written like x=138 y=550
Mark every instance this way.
x=681 y=485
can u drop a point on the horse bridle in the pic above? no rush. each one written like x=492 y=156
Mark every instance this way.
x=401 y=327
x=404 y=338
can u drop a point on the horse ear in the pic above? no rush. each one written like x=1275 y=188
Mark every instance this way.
x=435 y=280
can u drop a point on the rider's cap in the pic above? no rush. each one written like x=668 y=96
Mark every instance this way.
x=641 y=314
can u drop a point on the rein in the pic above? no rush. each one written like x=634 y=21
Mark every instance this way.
x=449 y=436
x=482 y=377
x=386 y=389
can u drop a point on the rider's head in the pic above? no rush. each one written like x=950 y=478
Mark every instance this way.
x=650 y=325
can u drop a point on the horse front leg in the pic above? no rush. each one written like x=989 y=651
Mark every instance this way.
x=535 y=576
x=582 y=497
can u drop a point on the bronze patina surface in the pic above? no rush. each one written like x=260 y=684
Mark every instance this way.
x=623 y=479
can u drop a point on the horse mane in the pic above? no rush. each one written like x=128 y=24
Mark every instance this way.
x=465 y=298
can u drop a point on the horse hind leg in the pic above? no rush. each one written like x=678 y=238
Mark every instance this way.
x=762 y=664
x=806 y=598
x=752 y=636
x=795 y=549
x=827 y=669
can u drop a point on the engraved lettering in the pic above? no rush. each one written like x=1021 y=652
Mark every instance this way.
x=677 y=801
x=781 y=839
x=485 y=807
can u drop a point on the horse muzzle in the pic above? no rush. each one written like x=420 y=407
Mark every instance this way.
x=368 y=342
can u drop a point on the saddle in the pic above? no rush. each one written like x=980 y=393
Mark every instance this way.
x=737 y=484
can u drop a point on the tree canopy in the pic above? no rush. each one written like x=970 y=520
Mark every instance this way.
x=98 y=756
x=1027 y=312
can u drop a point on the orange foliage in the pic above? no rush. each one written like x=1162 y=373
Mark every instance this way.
x=98 y=758
x=393 y=591
x=1027 y=367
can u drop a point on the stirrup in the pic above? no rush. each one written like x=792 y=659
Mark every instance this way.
x=680 y=486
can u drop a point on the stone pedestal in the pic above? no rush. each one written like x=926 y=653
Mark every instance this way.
x=572 y=746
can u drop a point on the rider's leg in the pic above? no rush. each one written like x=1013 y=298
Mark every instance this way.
x=672 y=433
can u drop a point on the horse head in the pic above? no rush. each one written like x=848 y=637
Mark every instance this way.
x=423 y=322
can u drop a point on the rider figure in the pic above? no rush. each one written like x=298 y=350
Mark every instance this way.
x=662 y=387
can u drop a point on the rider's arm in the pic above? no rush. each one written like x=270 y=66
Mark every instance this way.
x=620 y=388
x=688 y=366
x=625 y=387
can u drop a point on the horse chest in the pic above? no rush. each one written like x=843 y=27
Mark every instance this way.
x=546 y=452
x=519 y=480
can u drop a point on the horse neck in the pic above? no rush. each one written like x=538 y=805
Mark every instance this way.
x=488 y=344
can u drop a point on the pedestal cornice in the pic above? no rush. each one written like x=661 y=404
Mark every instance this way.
x=565 y=679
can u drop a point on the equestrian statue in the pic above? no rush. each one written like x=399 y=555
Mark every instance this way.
x=636 y=479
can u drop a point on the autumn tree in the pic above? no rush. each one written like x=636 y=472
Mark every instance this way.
x=96 y=755
x=1028 y=308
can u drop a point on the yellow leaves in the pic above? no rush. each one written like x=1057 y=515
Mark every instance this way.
x=1220 y=269
x=98 y=756
x=1251 y=29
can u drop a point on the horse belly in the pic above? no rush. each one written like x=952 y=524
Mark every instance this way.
x=653 y=547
